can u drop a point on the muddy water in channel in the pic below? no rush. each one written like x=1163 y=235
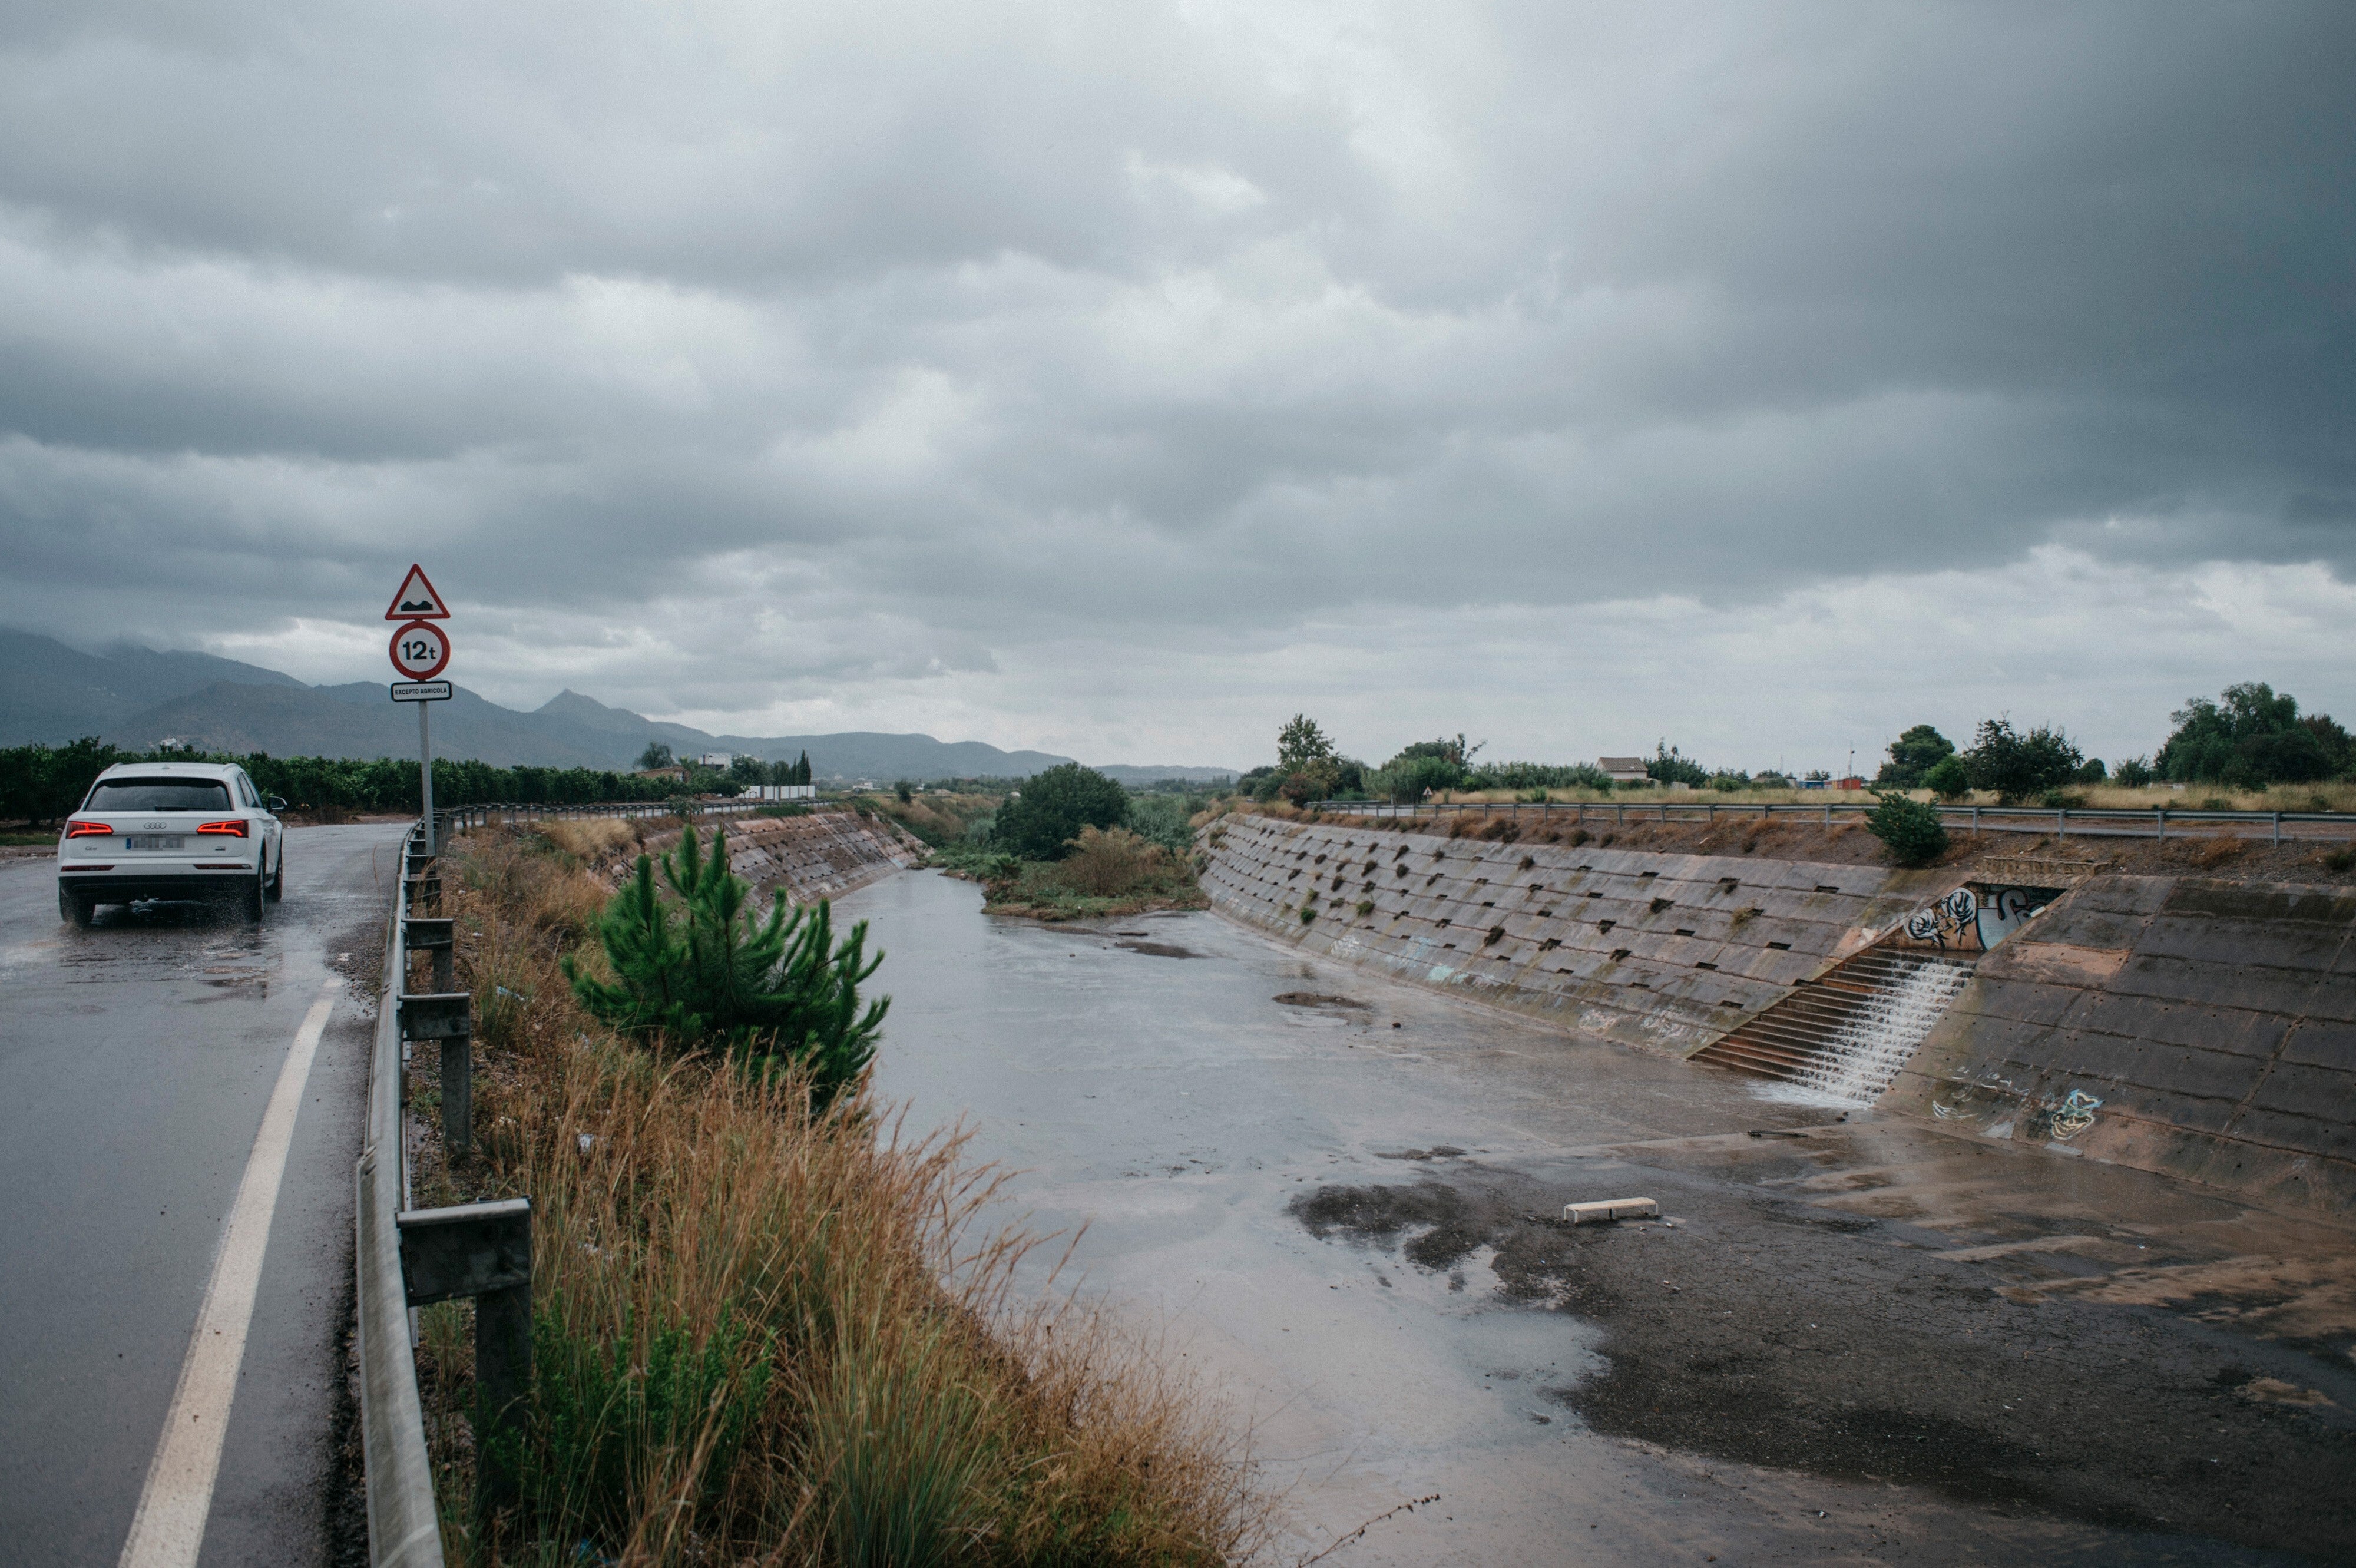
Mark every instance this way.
x=1852 y=1341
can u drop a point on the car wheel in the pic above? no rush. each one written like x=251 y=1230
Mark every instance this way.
x=74 y=907
x=278 y=878
x=249 y=899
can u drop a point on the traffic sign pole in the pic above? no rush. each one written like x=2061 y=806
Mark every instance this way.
x=420 y=652
x=425 y=770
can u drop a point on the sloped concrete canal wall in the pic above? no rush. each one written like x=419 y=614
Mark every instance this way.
x=2200 y=1027
x=1666 y=952
x=822 y=855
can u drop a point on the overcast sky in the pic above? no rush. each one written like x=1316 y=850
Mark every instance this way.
x=1117 y=379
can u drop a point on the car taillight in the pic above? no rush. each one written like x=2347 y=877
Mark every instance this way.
x=234 y=830
x=87 y=830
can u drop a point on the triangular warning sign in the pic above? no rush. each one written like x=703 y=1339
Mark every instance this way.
x=417 y=600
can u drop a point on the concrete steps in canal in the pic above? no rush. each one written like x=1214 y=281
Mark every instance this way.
x=1848 y=1032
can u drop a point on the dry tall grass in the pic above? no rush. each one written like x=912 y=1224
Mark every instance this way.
x=587 y=838
x=762 y=1337
x=937 y=817
x=1107 y=862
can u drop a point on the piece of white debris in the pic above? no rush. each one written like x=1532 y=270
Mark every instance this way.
x=1608 y=1209
x=588 y=1142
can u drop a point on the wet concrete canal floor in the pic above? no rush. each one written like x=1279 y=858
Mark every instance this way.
x=1846 y=1341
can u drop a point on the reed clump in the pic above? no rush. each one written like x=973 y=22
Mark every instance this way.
x=770 y=1328
x=589 y=839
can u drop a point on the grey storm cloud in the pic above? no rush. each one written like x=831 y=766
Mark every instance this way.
x=943 y=332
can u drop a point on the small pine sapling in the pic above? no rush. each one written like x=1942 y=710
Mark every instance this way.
x=701 y=968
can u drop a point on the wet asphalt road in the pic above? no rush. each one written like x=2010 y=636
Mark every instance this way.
x=135 y=1061
x=1868 y=1342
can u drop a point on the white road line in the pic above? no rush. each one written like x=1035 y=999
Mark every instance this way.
x=178 y=1496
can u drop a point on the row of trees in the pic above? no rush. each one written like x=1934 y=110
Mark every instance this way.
x=1309 y=768
x=43 y=783
x=2249 y=737
x=741 y=770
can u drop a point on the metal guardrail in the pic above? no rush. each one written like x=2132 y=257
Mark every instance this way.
x=404 y=1530
x=2085 y=822
x=458 y=819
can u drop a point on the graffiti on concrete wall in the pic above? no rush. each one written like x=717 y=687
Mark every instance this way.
x=1973 y=921
x=1950 y=924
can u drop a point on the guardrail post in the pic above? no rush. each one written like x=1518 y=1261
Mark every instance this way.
x=421 y=881
x=2278 y=830
x=483 y=1250
x=438 y=936
x=448 y=1016
x=2062 y=821
x=1976 y=821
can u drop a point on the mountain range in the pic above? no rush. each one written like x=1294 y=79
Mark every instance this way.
x=139 y=698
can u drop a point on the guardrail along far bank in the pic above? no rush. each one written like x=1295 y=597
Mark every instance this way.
x=2065 y=821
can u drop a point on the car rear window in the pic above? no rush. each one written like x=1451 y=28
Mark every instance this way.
x=158 y=795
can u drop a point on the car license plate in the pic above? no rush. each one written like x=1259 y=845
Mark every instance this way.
x=153 y=841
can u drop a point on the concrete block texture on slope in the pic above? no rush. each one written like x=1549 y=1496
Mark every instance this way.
x=1666 y=952
x=2186 y=1025
x=824 y=854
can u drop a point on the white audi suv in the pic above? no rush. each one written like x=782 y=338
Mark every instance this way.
x=172 y=830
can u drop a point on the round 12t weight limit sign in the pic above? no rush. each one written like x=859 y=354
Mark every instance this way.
x=420 y=650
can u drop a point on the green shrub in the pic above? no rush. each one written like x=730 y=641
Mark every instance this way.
x=2252 y=737
x=701 y=970
x=1054 y=807
x=1910 y=829
x=1667 y=765
x=2018 y=766
x=1948 y=778
x=1161 y=818
x=1913 y=756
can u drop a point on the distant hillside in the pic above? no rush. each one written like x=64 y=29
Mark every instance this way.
x=137 y=697
x=52 y=693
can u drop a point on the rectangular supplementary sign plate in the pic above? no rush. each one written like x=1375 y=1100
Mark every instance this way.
x=421 y=691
